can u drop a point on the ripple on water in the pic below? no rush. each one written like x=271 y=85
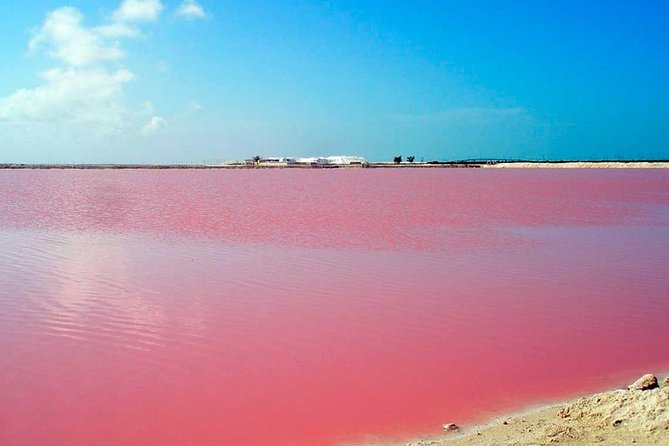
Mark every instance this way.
x=192 y=307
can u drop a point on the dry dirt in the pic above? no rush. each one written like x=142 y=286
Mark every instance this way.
x=638 y=415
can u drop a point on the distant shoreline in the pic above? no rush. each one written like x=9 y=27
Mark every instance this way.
x=635 y=164
x=583 y=165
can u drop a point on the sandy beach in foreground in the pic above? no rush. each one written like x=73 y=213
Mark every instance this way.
x=636 y=415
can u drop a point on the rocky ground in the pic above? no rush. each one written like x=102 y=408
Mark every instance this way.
x=637 y=415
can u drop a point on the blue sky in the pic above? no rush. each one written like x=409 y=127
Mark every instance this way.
x=186 y=81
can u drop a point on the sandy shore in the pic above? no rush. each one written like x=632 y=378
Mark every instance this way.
x=582 y=165
x=636 y=415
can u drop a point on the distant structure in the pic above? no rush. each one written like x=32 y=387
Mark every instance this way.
x=337 y=160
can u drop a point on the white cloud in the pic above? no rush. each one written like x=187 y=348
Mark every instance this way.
x=117 y=30
x=70 y=95
x=67 y=40
x=85 y=87
x=154 y=125
x=138 y=10
x=190 y=10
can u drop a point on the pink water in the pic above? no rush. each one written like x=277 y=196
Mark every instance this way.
x=311 y=307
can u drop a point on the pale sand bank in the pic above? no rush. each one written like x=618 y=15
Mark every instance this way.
x=619 y=417
x=582 y=165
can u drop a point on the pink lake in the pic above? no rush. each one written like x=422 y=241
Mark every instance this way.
x=319 y=307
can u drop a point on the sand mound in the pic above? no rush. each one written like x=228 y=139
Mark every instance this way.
x=638 y=415
x=640 y=412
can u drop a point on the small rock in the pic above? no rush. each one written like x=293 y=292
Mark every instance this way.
x=617 y=422
x=665 y=383
x=451 y=427
x=646 y=382
x=506 y=423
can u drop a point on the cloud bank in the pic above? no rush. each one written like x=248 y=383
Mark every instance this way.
x=68 y=41
x=85 y=87
x=83 y=92
x=71 y=95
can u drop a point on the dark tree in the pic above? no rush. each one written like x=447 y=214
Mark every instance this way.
x=256 y=159
x=411 y=158
x=397 y=159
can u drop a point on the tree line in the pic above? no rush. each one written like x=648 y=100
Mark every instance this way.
x=398 y=159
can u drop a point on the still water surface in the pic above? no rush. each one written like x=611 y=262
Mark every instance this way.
x=304 y=307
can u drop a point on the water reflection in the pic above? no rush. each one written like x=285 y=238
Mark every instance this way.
x=140 y=314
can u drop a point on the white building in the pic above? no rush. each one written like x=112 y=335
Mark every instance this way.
x=338 y=160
